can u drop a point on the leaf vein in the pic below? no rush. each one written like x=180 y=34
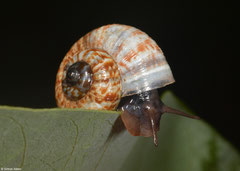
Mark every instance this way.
x=24 y=139
x=75 y=143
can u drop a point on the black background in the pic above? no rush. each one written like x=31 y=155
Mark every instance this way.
x=197 y=38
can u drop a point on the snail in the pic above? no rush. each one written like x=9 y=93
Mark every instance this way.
x=111 y=62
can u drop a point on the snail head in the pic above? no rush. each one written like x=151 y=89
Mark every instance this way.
x=141 y=114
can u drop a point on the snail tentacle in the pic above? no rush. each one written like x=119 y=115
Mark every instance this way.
x=167 y=109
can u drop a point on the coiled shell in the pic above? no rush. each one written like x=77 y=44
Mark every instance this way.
x=140 y=61
x=105 y=91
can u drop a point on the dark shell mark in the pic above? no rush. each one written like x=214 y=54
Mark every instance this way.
x=78 y=80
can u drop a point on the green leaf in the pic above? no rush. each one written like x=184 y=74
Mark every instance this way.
x=66 y=139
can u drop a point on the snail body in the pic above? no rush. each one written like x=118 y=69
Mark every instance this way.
x=111 y=62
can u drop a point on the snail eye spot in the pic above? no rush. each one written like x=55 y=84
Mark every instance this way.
x=77 y=81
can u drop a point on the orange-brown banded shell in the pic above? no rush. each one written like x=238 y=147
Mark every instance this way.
x=121 y=50
x=105 y=90
x=141 y=62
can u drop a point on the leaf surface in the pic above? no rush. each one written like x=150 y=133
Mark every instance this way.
x=88 y=140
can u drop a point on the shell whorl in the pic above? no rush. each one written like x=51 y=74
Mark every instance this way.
x=105 y=89
x=140 y=61
x=123 y=61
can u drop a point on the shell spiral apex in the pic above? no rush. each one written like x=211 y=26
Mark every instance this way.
x=137 y=64
x=97 y=85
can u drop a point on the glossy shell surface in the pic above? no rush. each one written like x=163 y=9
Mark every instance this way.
x=105 y=91
x=140 y=61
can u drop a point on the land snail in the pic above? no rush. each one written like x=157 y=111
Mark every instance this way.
x=111 y=62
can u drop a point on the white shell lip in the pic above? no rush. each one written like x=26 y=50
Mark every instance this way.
x=154 y=79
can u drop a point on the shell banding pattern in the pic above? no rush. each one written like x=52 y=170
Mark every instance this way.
x=104 y=91
x=139 y=60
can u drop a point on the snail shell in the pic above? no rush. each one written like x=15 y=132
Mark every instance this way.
x=111 y=62
x=123 y=61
